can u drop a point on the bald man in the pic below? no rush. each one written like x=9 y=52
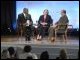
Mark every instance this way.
x=25 y=21
x=62 y=21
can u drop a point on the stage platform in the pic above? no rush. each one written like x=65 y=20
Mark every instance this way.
x=72 y=45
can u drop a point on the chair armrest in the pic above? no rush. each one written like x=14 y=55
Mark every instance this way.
x=61 y=25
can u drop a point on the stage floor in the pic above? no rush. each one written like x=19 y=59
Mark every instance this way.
x=71 y=41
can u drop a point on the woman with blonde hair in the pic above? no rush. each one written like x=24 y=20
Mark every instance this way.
x=44 y=23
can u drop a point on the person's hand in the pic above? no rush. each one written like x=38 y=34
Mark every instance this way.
x=43 y=23
x=36 y=26
x=54 y=25
x=28 y=22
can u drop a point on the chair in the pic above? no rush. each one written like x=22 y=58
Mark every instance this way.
x=20 y=30
x=62 y=29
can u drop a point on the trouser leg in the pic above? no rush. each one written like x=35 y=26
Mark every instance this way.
x=28 y=33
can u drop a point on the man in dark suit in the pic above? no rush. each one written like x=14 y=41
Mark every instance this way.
x=62 y=22
x=25 y=22
x=44 y=23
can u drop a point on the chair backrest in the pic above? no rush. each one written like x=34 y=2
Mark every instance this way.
x=63 y=26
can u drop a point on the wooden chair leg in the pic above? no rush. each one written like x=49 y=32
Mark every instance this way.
x=32 y=35
x=18 y=32
x=21 y=33
x=63 y=37
x=55 y=36
x=66 y=36
x=18 y=35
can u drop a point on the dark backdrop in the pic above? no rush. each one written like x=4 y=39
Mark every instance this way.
x=8 y=16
